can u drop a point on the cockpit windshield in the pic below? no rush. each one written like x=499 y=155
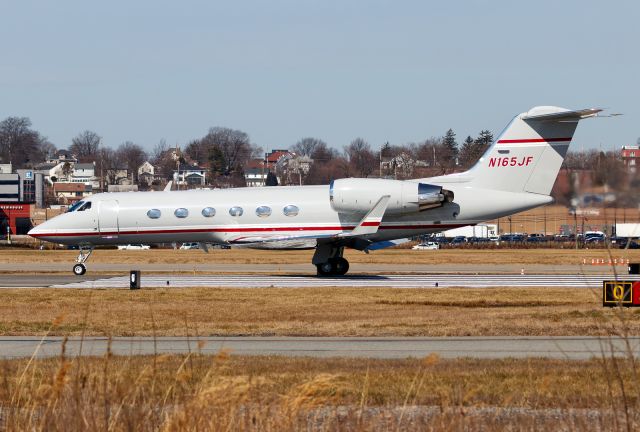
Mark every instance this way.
x=80 y=206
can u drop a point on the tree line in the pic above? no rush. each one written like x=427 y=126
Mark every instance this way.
x=225 y=152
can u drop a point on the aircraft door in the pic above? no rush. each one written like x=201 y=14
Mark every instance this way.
x=108 y=218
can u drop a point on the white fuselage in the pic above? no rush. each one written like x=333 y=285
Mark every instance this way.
x=122 y=218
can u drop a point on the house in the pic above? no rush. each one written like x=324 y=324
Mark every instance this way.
x=292 y=169
x=402 y=165
x=277 y=157
x=146 y=167
x=62 y=156
x=67 y=193
x=631 y=157
x=192 y=175
x=55 y=171
x=83 y=173
x=117 y=176
x=255 y=172
x=146 y=174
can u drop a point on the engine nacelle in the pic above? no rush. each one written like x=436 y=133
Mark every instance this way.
x=355 y=195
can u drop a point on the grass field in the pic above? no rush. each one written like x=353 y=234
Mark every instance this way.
x=311 y=312
x=388 y=256
x=272 y=393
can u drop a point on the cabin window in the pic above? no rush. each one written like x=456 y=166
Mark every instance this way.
x=263 y=211
x=291 y=210
x=154 y=213
x=75 y=206
x=208 y=212
x=181 y=213
x=236 y=211
x=85 y=206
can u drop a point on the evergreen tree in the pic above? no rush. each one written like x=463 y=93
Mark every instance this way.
x=271 y=180
x=485 y=138
x=385 y=151
x=467 y=152
x=450 y=146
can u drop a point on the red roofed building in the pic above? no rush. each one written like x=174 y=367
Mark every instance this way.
x=68 y=193
x=631 y=157
x=276 y=155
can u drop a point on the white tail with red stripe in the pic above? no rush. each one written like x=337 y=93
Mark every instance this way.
x=527 y=155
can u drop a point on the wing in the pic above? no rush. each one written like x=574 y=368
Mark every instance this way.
x=368 y=225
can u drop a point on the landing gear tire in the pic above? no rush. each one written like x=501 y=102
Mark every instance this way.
x=340 y=266
x=325 y=268
x=79 y=269
x=333 y=267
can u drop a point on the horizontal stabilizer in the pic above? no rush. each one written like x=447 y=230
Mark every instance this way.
x=563 y=115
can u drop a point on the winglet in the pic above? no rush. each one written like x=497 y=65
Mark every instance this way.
x=371 y=221
x=167 y=188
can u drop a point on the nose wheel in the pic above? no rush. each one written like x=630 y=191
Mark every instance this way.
x=79 y=268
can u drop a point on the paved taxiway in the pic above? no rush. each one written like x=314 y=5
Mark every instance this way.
x=394 y=281
x=307 y=268
x=573 y=348
x=309 y=281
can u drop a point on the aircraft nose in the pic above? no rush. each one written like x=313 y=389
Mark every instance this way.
x=37 y=231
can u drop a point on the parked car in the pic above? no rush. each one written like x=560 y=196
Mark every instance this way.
x=134 y=247
x=458 y=240
x=594 y=237
x=190 y=246
x=628 y=244
x=426 y=246
x=535 y=239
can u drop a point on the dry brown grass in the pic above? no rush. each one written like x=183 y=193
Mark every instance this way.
x=389 y=256
x=311 y=312
x=273 y=393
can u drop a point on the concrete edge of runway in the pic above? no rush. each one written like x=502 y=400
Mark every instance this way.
x=489 y=347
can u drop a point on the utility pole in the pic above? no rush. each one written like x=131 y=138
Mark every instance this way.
x=177 y=168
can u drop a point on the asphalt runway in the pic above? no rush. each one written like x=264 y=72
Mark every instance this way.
x=572 y=348
x=393 y=281
x=94 y=268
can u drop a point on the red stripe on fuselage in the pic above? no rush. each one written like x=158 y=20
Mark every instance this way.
x=230 y=230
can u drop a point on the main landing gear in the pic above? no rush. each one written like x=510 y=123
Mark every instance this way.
x=79 y=268
x=329 y=261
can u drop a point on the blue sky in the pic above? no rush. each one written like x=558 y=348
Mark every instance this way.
x=396 y=71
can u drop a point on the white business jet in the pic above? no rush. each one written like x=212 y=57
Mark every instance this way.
x=516 y=173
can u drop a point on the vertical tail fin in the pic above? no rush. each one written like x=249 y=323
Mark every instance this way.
x=528 y=154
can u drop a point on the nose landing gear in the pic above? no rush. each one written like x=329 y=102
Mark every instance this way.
x=79 y=268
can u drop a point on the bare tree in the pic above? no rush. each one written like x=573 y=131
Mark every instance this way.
x=18 y=143
x=108 y=165
x=362 y=161
x=85 y=146
x=323 y=153
x=307 y=146
x=323 y=172
x=159 y=150
x=226 y=151
x=132 y=156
